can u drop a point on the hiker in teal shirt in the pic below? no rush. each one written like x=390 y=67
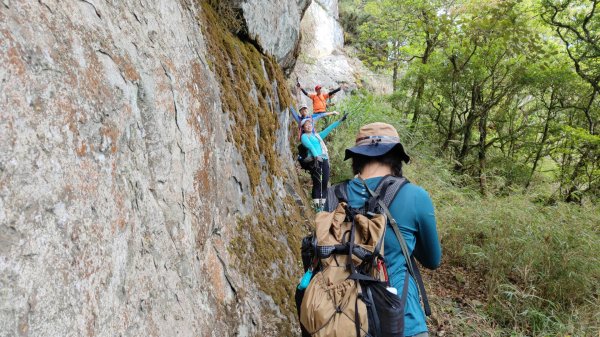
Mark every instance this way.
x=299 y=117
x=317 y=150
x=378 y=153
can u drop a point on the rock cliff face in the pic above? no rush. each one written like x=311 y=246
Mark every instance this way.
x=322 y=34
x=273 y=24
x=146 y=179
x=324 y=60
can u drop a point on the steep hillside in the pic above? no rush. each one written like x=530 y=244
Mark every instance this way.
x=144 y=157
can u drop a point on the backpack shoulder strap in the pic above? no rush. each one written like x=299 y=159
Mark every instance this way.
x=335 y=194
x=385 y=191
x=391 y=189
x=389 y=196
x=410 y=261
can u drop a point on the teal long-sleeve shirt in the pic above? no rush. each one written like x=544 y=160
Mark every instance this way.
x=413 y=211
x=312 y=143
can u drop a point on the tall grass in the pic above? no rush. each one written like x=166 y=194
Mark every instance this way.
x=540 y=263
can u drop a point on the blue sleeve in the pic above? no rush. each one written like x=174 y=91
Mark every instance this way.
x=318 y=116
x=330 y=128
x=427 y=249
x=311 y=149
x=295 y=114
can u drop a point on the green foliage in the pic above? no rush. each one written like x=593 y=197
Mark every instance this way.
x=577 y=24
x=351 y=17
x=363 y=108
x=502 y=87
x=580 y=135
x=536 y=259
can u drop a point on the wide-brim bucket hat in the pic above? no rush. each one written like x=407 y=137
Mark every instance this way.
x=377 y=139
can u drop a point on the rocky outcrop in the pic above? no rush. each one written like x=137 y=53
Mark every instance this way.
x=323 y=58
x=276 y=27
x=322 y=34
x=273 y=25
x=141 y=194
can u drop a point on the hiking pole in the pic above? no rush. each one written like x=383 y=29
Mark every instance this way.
x=298 y=96
x=321 y=184
x=318 y=174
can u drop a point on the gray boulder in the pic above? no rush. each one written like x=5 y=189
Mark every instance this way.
x=273 y=25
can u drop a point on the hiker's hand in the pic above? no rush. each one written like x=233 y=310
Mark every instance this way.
x=298 y=84
x=344 y=117
x=335 y=113
x=319 y=159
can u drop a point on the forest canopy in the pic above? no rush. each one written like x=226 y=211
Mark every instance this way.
x=507 y=89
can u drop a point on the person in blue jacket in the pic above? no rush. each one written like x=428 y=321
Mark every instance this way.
x=376 y=154
x=313 y=141
x=299 y=117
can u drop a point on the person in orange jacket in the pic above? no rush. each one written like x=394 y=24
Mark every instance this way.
x=319 y=99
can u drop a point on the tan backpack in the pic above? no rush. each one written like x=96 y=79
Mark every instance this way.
x=348 y=294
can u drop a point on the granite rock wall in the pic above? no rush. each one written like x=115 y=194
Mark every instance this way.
x=121 y=188
x=274 y=25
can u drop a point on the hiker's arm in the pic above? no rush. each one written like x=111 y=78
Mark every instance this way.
x=319 y=115
x=304 y=91
x=427 y=248
x=332 y=92
x=328 y=129
x=314 y=152
x=295 y=114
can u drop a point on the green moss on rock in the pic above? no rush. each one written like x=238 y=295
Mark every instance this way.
x=243 y=70
x=266 y=245
x=262 y=247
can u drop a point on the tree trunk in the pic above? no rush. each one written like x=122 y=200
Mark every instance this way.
x=395 y=56
x=570 y=197
x=538 y=154
x=588 y=116
x=481 y=153
x=395 y=77
x=471 y=117
x=420 y=86
x=450 y=134
x=464 y=150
